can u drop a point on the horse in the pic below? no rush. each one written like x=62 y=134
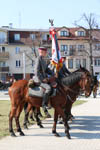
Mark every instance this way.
x=79 y=81
x=75 y=84
x=18 y=93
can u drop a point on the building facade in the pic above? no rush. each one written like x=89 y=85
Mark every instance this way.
x=74 y=43
x=19 y=48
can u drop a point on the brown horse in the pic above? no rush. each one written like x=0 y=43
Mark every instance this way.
x=77 y=85
x=18 y=93
x=79 y=81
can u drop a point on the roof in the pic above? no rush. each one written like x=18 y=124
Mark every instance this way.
x=72 y=34
x=7 y=28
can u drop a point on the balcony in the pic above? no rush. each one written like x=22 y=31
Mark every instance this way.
x=4 y=55
x=4 y=69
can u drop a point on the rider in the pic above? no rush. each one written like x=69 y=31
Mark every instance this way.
x=63 y=71
x=41 y=72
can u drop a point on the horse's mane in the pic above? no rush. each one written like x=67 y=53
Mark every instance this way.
x=74 y=77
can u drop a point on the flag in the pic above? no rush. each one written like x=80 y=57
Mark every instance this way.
x=56 y=55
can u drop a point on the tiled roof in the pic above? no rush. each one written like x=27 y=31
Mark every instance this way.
x=72 y=34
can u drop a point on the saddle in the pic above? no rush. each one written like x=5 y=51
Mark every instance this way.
x=35 y=90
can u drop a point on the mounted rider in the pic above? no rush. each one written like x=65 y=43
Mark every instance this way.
x=63 y=72
x=41 y=72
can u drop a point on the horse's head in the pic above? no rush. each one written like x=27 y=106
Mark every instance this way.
x=86 y=81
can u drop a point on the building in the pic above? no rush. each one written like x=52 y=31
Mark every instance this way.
x=74 y=44
x=18 y=49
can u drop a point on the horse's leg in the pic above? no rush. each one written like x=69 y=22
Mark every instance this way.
x=54 y=124
x=31 y=114
x=18 y=112
x=25 y=110
x=29 y=107
x=61 y=112
x=40 y=114
x=11 y=115
x=36 y=114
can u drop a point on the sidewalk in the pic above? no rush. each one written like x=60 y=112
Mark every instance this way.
x=85 y=132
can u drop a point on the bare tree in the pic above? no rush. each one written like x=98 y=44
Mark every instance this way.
x=91 y=24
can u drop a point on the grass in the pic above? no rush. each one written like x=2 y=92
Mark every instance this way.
x=4 y=119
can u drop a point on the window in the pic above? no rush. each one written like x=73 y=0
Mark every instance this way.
x=44 y=37
x=2 y=37
x=72 y=49
x=32 y=36
x=97 y=62
x=64 y=33
x=18 y=63
x=97 y=46
x=64 y=47
x=80 y=47
x=17 y=50
x=70 y=63
x=3 y=49
x=84 y=63
x=78 y=62
x=80 y=33
x=2 y=64
x=16 y=37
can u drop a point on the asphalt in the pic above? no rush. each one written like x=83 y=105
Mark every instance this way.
x=85 y=132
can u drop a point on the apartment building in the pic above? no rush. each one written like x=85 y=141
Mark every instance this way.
x=74 y=44
x=19 y=48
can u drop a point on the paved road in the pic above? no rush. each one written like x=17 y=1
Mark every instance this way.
x=85 y=133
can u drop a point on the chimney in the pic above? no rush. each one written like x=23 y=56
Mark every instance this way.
x=10 y=25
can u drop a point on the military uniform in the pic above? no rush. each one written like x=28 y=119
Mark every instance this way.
x=41 y=72
x=63 y=72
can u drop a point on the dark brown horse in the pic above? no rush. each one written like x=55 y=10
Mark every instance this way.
x=79 y=81
x=75 y=85
x=18 y=93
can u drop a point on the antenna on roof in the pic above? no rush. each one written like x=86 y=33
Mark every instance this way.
x=19 y=19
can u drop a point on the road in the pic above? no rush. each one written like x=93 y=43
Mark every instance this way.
x=85 y=132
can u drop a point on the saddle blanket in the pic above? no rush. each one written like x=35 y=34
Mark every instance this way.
x=39 y=91
x=36 y=91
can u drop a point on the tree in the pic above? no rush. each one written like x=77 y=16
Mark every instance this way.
x=91 y=25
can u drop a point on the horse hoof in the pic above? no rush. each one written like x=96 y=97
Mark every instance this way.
x=22 y=134
x=68 y=136
x=55 y=134
x=41 y=126
x=13 y=135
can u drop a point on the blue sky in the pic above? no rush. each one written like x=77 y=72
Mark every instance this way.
x=36 y=13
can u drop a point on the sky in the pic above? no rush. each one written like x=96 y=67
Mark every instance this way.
x=35 y=14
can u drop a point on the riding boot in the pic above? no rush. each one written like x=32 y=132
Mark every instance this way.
x=45 y=103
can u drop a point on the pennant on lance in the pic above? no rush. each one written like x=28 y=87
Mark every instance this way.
x=56 y=55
